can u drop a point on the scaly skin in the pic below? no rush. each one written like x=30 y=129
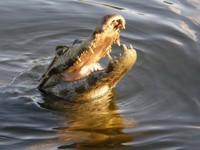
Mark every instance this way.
x=74 y=72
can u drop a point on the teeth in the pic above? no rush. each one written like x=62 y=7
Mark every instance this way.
x=124 y=46
x=118 y=42
x=109 y=49
x=109 y=57
x=91 y=51
x=79 y=59
x=131 y=46
x=93 y=45
x=123 y=26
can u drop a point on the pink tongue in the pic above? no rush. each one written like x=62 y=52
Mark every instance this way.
x=80 y=73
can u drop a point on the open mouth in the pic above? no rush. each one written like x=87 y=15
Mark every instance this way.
x=75 y=71
x=88 y=53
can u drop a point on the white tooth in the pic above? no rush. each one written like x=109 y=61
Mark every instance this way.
x=118 y=42
x=124 y=46
x=79 y=59
x=109 y=57
x=131 y=46
x=123 y=26
x=99 y=64
x=94 y=45
x=91 y=51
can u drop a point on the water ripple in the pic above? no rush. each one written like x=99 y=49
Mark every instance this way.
x=156 y=105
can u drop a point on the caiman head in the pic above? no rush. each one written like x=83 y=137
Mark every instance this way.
x=75 y=72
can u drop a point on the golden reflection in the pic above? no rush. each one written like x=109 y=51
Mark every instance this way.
x=195 y=18
x=191 y=33
x=175 y=10
x=93 y=124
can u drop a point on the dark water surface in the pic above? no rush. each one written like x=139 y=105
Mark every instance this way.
x=155 y=106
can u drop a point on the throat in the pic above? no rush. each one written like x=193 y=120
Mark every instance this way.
x=80 y=73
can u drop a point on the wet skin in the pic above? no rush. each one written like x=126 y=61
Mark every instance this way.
x=75 y=72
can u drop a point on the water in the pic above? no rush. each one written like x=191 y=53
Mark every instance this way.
x=155 y=106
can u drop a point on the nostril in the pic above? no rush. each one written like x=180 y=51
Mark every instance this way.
x=115 y=23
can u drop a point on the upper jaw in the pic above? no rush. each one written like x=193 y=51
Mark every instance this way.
x=97 y=46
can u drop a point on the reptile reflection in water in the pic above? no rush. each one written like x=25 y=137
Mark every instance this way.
x=90 y=124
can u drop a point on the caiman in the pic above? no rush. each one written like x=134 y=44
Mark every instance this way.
x=75 y=72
